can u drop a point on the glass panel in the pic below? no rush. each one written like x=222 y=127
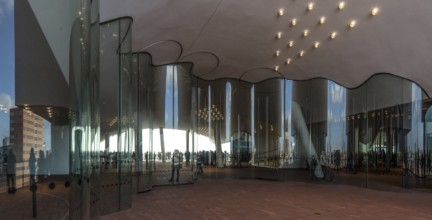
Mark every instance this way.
x=117 y=115
x=357 y=137
x=126 y=116
x=84 y=81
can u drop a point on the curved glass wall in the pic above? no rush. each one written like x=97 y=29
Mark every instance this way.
x=165 y=119
x=372 y=135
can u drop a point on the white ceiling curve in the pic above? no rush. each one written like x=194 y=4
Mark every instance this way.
x=243 y=36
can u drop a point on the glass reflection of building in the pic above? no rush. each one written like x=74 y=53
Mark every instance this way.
x=117 y=117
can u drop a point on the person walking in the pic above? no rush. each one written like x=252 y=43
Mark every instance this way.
x=313 y=165
x=175 y=165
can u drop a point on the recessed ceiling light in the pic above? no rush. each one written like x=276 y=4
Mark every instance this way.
x=279 y=35
x=310 y=6
x=281 y=12
x=341 y=5
x=293 y=22
x=305 y=33
x=290 y=43
x=301 y=53
x=322 y=20
x=333 y=35
x=316 y=45
x=374 y=11
x=277 y=53
x=288 y=61
x=276 y=68
x=352 y=23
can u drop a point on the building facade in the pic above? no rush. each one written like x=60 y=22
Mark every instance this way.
x=27 y=138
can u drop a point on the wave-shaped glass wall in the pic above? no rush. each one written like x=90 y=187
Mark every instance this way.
x=375 y=135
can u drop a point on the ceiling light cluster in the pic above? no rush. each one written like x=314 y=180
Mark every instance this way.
x=310 y=6
x=333 y=35
x=294 y=22
x=49 y=111
x=281 y=12
x=352 y=23
x=306 y=32
x=374 y=11
x=301 y=53
x=290 y=43
x=322 y=20
x=341 y=5
x=214 y=114
x=279 y=35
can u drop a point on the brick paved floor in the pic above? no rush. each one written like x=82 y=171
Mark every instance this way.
x=263 y=199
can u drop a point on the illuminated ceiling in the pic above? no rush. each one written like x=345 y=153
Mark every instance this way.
x=250 y=39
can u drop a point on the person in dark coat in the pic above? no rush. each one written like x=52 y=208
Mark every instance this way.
x=11 y=172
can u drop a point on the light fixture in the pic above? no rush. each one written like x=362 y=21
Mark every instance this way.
x=301 y=53
x=322 y=20
x=277 y=53
x=374 y=11
x=290 y=43
x=341 y=5
x=276 y=68
x=305 y=33
x=279 y=35
x=294 y=22
x=288 y=61
x=281 y=12
x=352 y=23
x=333 y=35
x=316 y=45
x=310 y=6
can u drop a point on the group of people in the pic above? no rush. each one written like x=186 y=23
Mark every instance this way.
x=318 y=171
x=176 y=164
x=38 y=166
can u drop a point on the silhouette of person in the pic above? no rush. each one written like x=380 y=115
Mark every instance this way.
x=41 y=165
x=313 y=165
x=187 y=155
x=11 y=172
x=175 y=165
x=200 y=163
x=32 y=166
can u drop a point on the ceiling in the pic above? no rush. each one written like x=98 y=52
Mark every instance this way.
x=238 y=38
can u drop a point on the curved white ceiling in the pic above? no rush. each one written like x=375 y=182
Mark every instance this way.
x=242 y=34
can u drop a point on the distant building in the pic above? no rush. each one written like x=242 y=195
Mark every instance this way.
x=3 y=154
x=26 y=132
x=6 y=141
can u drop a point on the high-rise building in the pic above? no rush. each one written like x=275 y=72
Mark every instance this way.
x=6 y=141
x=26 y=132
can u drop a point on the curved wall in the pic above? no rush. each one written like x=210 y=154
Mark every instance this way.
x=376 y=129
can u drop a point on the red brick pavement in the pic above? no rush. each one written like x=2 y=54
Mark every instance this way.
x=262 y=199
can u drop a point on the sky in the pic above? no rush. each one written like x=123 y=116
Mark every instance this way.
x=7 y=64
